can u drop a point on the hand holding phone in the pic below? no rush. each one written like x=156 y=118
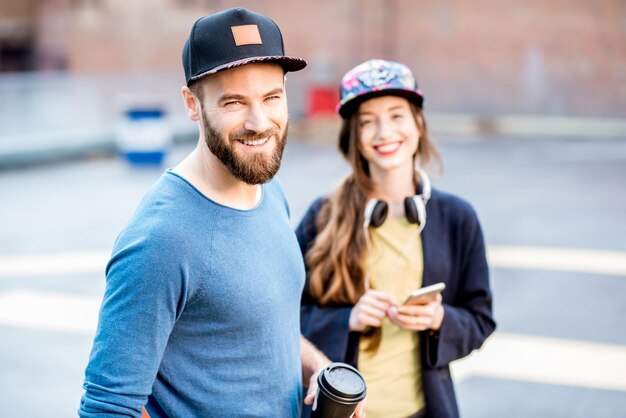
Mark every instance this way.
x=425 y=294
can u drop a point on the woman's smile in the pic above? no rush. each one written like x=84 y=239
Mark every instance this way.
x=387 y=148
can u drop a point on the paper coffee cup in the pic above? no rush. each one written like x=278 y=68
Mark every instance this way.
x=340 y=388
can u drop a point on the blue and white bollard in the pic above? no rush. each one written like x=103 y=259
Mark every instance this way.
x=144 y=137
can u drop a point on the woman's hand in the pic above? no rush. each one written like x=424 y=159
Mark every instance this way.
x=370 y=310
x=418 y=317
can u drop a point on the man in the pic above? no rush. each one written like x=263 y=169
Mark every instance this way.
x=200 y=316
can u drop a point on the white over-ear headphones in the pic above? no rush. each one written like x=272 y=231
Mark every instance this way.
x=414 y=206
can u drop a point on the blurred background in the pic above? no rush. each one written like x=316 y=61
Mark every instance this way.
x=525 y=100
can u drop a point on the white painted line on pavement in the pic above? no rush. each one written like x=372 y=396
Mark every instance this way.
x=500 y=256
x=24 y=265
x=504 y=356
x=562 y=259
x=547 y=360
x=49 y=311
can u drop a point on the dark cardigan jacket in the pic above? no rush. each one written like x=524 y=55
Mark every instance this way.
x=454 y=253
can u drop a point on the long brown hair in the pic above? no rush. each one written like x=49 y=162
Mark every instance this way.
x=336 y=258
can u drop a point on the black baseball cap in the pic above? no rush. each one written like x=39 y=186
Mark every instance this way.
x=232 y=38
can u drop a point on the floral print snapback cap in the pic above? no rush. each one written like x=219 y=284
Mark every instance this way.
x=375 y=78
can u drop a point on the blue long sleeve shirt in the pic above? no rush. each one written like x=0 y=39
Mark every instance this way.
x=200 y=315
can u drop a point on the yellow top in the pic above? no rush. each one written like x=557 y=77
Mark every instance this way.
x=393 y=374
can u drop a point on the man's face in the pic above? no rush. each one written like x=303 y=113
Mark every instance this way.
x=244 y=120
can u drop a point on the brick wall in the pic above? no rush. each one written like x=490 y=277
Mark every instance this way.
x=484 y=56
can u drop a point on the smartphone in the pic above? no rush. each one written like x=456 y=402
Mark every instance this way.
x=425 y=294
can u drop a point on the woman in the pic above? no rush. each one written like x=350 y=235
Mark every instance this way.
x=362 y=264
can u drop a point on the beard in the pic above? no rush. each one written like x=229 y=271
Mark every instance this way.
x=257 y=168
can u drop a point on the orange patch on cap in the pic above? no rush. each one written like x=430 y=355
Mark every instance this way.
x=246 y=35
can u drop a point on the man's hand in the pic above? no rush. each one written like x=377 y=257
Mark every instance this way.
x=312 y=391
x=360 y=410
x=313 y=363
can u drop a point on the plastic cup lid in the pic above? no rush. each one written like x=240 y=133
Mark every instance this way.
x=343 y=380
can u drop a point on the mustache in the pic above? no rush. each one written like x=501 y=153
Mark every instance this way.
x=253 y=136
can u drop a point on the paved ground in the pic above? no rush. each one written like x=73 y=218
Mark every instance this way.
x=560 y=348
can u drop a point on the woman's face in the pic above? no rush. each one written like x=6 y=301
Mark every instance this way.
x=388 y=133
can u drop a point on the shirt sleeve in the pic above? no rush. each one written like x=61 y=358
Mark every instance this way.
x=326 y=327
x=144 y=295
x=468 y=318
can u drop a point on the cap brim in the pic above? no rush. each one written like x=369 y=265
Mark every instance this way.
x=347 y=109
x=288 y=64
